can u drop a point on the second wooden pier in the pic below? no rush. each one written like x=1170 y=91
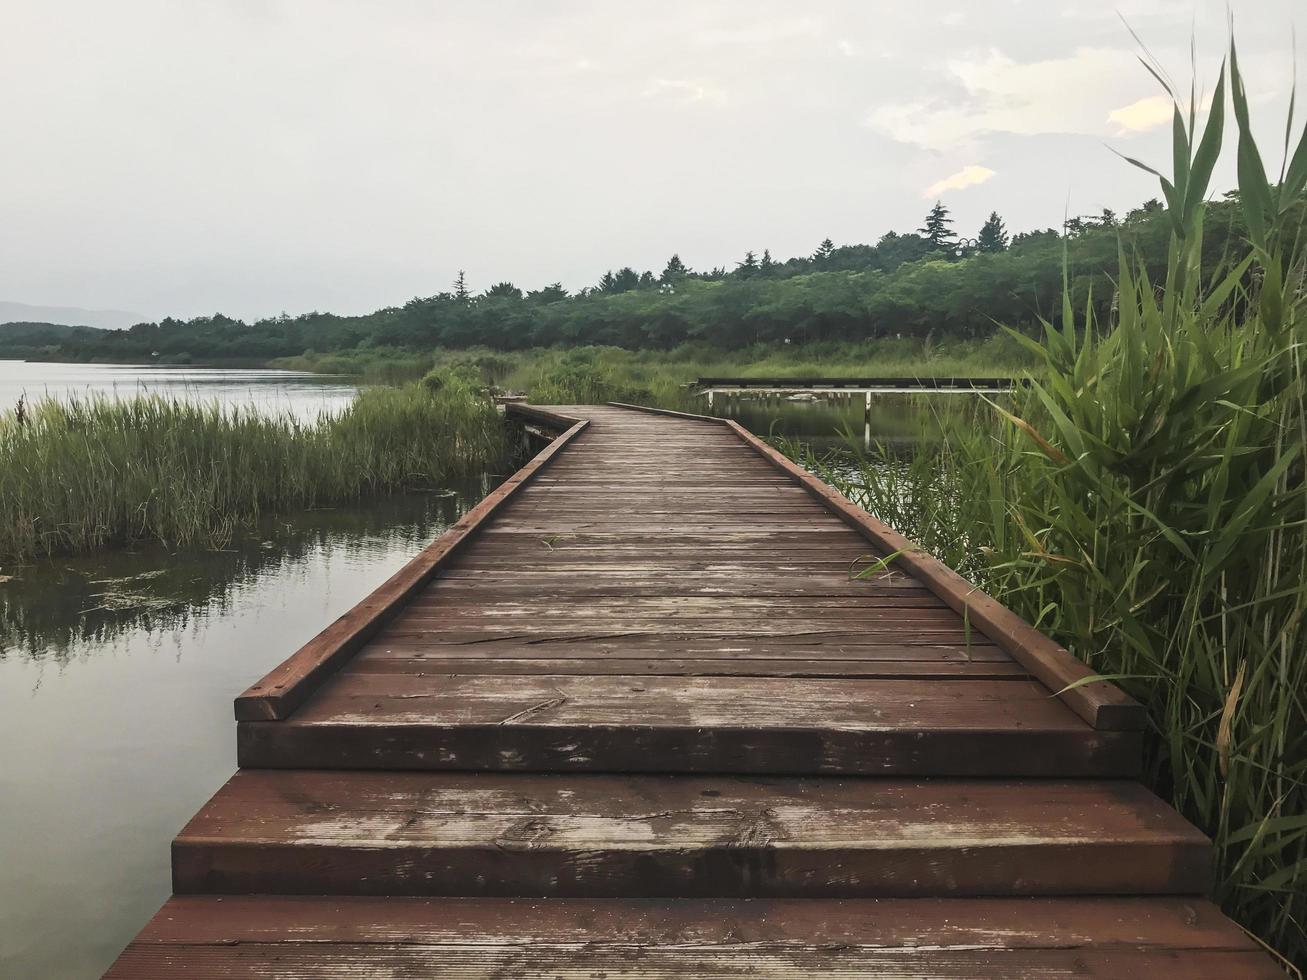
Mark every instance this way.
x=665 y=705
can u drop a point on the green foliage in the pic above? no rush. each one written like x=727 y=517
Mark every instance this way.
x=1145 y=504
x=81 y=475
x=902 y=286
x=993 y=235
x=938 y=228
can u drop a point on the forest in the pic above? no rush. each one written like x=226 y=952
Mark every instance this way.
x=930 y=284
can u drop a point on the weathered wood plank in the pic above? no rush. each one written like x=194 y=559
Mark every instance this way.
x=613 y=723
x=305 y=961
x=426 y=662
x=312 y=832
x=1165 y=923
x=289 y=684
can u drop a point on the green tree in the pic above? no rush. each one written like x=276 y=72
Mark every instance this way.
x=993 y=235
x=674 y=271
x=824 y=251
x=504 y=290
x=766 y=265
x=938 y=229
x=553 y=293
x=460 y=287
x=748 y=268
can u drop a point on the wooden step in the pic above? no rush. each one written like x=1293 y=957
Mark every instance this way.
x=575 y=939
x=319 y=832
x=614 y=723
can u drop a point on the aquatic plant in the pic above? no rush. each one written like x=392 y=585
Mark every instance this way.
x=1144 y=502
x=86 y=473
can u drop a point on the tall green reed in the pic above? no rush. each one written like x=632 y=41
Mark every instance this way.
x=87 y=473
x=1144 y=502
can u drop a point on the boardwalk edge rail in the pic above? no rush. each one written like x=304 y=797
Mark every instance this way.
x=288 y=685
x=1101 y=704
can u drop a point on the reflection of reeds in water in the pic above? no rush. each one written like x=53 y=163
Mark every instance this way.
x=63 y=609
x=82 y=474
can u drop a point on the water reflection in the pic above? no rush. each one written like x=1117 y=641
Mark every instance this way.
x=116 y=680
x=898 y=422
x=63 y=609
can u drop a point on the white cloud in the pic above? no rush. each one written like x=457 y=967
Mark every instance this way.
x=1143 y=115
x=1000 y=95
x=685 y=91
x=968 y=176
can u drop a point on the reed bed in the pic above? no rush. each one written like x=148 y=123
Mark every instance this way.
x=88 y=473
x=1144 y=502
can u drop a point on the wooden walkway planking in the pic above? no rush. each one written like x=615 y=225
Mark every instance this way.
x=648 y=726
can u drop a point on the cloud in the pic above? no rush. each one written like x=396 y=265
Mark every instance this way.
x=685 y=91
x=1146 y=114
x=1001 y=95
x=966 y=177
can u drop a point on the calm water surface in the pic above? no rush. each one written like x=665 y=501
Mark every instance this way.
x=898 y=421
x=306 y=395
x=117 y=673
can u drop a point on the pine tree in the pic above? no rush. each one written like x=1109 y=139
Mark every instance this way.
x=993 y=235
x=767 y=265
x=938 y=229
x=626 y=279
x=460 y=288
x=674 y=270
x=607 y=284
x=504 y=290
x=747 y=268
x=824 y=251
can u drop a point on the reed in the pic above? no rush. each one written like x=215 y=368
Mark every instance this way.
x=1145 y=503
x=88 y=473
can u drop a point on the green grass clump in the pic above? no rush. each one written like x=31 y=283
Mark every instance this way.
x=84 y=474
x=1145 y=503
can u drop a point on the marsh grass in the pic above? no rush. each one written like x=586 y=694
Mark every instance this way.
x=1144 y=502
x=87 y=473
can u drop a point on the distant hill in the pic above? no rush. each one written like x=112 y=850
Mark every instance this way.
x=23 y=332
x=67 y=315
x=41 y=341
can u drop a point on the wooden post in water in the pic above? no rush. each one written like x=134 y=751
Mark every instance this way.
x=866 y=423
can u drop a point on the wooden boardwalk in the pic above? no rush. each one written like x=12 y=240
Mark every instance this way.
x=633 y=718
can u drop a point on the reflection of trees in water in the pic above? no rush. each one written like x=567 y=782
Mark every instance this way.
x=64 y=608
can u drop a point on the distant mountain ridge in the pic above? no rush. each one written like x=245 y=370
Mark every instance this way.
x=72 y=316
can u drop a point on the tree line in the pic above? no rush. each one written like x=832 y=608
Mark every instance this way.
x=930 y=283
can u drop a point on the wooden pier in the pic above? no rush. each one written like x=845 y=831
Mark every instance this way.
x=633 y=717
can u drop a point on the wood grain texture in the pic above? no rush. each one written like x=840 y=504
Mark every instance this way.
x=782 y=725
x=644 y=939
x=1101 y=703
x=289 y=684
x=314 y=832
x=478 y=961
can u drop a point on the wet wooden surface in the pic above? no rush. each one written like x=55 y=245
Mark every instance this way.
x=648 y=721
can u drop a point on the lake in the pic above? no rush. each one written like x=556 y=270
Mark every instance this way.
x=304 y=395
x=118 y=670
x=117 y=673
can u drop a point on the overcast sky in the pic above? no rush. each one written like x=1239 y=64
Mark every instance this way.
x=257 y=156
